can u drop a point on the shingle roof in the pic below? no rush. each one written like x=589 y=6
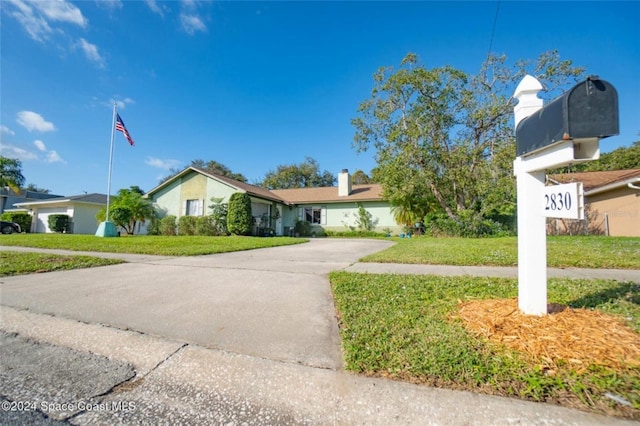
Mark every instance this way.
x=371 y=192
x=593 y=180
x=250 y=189
x=84 y=198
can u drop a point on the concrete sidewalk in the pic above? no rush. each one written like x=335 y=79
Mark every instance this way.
x=177 y=383
x=246 y=337
x=492 y=271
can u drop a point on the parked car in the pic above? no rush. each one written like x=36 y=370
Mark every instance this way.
x=9 y=227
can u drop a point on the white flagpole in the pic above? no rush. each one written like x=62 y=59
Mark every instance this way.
x=113 y=126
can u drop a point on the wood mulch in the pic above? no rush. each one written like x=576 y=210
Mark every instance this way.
x=579 y=337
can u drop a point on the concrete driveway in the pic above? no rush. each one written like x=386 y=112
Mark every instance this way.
x=270 y=303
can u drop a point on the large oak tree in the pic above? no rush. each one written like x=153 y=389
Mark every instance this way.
x=444 y=139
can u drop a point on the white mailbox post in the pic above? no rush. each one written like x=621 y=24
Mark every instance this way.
x=566 y=131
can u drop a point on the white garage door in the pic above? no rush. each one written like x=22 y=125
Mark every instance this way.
x=42 y=218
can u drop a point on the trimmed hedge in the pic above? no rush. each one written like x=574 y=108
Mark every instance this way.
x=59 y=222
x=239 y=218
x=21 y=218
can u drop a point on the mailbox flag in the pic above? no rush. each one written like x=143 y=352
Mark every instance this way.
x=121 y=128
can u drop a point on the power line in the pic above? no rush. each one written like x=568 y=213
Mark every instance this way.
x=493 y=29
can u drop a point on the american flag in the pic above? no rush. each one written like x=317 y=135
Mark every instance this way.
x=121 y=128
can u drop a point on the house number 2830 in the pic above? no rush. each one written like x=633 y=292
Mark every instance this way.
x=557 y=201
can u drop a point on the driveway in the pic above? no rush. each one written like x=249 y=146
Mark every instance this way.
x=270 y=303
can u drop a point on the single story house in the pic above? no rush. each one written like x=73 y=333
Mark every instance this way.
x=9 y=197
x=612 y=203
x=330 y=208
x=81 y=209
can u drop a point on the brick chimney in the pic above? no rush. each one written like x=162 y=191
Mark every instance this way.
x=344 y=183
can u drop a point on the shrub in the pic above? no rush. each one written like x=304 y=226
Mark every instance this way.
x=469 y=224
x=21 y=218
x=302 y=228
x=219 y=213
x=168 y=225
x=154 y=226
x=205 y=226
x=353 y=233
x=239 y=219
x=187 y=225
x=59 y=222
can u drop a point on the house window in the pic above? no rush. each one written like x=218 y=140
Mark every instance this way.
x=193 y=208
x=315 y=215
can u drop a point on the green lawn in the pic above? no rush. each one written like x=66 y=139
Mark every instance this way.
x=562 y=252
x=167 y=246
x=400 y=327
x=17 y=263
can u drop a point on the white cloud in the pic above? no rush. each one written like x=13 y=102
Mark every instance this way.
x=5 y=129
x=110 y=4
x=34 y=24
x=61 y=10
x=155 y=8
x=120 y=103
x=11 y=151
x=162 y=164
x=53 y=157
x=33 y=121
x=91 y=52
x=191 y=23
x=40 y=145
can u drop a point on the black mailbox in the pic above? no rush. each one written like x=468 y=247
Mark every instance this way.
x=586 y=111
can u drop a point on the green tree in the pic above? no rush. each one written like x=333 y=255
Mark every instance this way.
x=210 y=166
x=128 y=208
x=623 y=158
x=304 y=175
x=11 y=173
x=239 y=218
x=360 y=178
x=444 y=139
x=33 y=187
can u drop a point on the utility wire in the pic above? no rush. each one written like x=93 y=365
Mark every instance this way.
x=493 y=29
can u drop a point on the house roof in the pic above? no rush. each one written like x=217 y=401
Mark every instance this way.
x=248 y=188
x=371 y=192
x=597 y=181
x=84 y=198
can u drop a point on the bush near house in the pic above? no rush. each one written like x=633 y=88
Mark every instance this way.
x=168 y=225
x=59 y=222
x=205 y=226
x=21 y=218
x=239 y=219
x=187 y=225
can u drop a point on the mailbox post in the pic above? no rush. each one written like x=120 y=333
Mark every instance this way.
x=566 y=131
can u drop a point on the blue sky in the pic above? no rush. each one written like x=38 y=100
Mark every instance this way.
x=256 y=84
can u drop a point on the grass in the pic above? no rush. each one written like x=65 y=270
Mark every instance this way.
x=17 y=263
x=155 y=245
x=399 y=327
x=562 y=252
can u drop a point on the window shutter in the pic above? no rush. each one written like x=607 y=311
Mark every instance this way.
x=323 y=215
x=201 y=207
x=184 y=208
x=300 y=213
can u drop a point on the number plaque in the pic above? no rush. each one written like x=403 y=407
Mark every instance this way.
x=563 y=201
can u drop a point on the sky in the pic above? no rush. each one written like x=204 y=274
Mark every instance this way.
x=254 y=85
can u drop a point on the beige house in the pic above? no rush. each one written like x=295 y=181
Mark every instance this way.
x=612 y=203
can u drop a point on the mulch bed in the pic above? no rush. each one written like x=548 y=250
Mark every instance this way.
x=580 y=337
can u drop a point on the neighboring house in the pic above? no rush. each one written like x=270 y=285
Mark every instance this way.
x=612 y=203
x=8 y=198
x=189 y=193
x=81 y=209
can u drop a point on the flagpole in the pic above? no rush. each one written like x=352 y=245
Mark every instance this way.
x=113 y=126
x=106 y=228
